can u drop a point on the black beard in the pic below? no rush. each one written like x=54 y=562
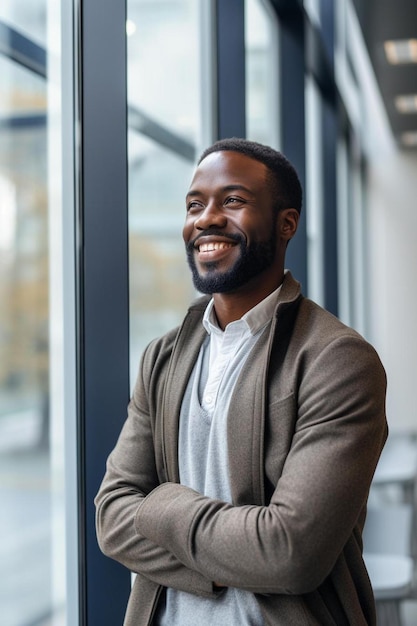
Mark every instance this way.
x=253 y=260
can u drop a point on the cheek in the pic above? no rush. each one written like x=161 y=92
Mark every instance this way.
x=261 y=233
x=187 y=230
x=270 y=229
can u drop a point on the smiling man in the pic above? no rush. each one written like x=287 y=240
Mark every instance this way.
x=237 y=489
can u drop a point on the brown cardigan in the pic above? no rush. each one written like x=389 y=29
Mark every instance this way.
x=306 y=427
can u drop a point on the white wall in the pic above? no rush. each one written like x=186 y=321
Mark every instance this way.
x=392 y=245
x=391 y=242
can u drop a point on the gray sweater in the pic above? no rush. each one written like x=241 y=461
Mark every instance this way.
x=203 y=461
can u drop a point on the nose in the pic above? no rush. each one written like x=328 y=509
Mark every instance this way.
x=212 y=216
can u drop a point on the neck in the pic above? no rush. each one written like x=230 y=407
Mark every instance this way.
x=230 y=307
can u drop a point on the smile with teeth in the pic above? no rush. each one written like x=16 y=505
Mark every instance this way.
x=216 y=245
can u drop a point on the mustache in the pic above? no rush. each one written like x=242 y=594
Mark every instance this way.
x=216 y=233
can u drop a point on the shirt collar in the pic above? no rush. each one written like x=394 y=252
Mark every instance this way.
x=254 y=319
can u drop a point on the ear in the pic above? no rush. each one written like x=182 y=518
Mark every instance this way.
x=288 y=223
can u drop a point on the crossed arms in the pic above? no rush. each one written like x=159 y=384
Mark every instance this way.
x=179 y=538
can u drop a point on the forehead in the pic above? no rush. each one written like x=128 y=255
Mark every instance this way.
x=226 y=168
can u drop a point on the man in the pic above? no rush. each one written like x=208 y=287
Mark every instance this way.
x=237 y=490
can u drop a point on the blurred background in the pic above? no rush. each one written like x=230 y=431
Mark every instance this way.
x=104 y=111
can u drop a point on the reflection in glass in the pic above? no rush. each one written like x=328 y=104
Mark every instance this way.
x=26 y=544
x=29 y=18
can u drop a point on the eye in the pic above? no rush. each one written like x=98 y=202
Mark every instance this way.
x=234 y=200
x=194 y=206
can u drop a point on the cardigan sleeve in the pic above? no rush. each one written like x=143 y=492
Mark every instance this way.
x=291 y=544
x=130 y=475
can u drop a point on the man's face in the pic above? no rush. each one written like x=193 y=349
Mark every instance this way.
x=230 y=228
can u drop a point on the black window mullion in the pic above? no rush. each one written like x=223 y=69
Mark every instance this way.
x=329 y=142
x=330 y=114
x=103 y=302
x=292 y=95
x=231 y=89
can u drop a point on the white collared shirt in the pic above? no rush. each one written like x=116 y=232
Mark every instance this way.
x=228 y=347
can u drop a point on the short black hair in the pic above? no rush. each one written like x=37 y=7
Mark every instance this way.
x=283 y=178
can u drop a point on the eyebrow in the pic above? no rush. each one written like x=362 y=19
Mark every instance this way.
x=237 y=187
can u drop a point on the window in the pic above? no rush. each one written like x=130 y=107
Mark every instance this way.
x=350 y=172
x=261 y=44
x=32 y=452
x=314 y=192
x=164 y=59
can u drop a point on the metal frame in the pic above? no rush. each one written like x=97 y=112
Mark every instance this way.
x=230 y=49
x=329 y=156
x=330 y=126
x=103 y=296
x=292 y=72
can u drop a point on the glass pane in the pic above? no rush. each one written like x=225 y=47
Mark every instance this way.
x=314 y=191
x=163 y=58
x=163 y=49
x=30 y=491
x=261 y=44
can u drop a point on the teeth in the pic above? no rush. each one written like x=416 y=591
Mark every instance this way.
x=210 y=247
